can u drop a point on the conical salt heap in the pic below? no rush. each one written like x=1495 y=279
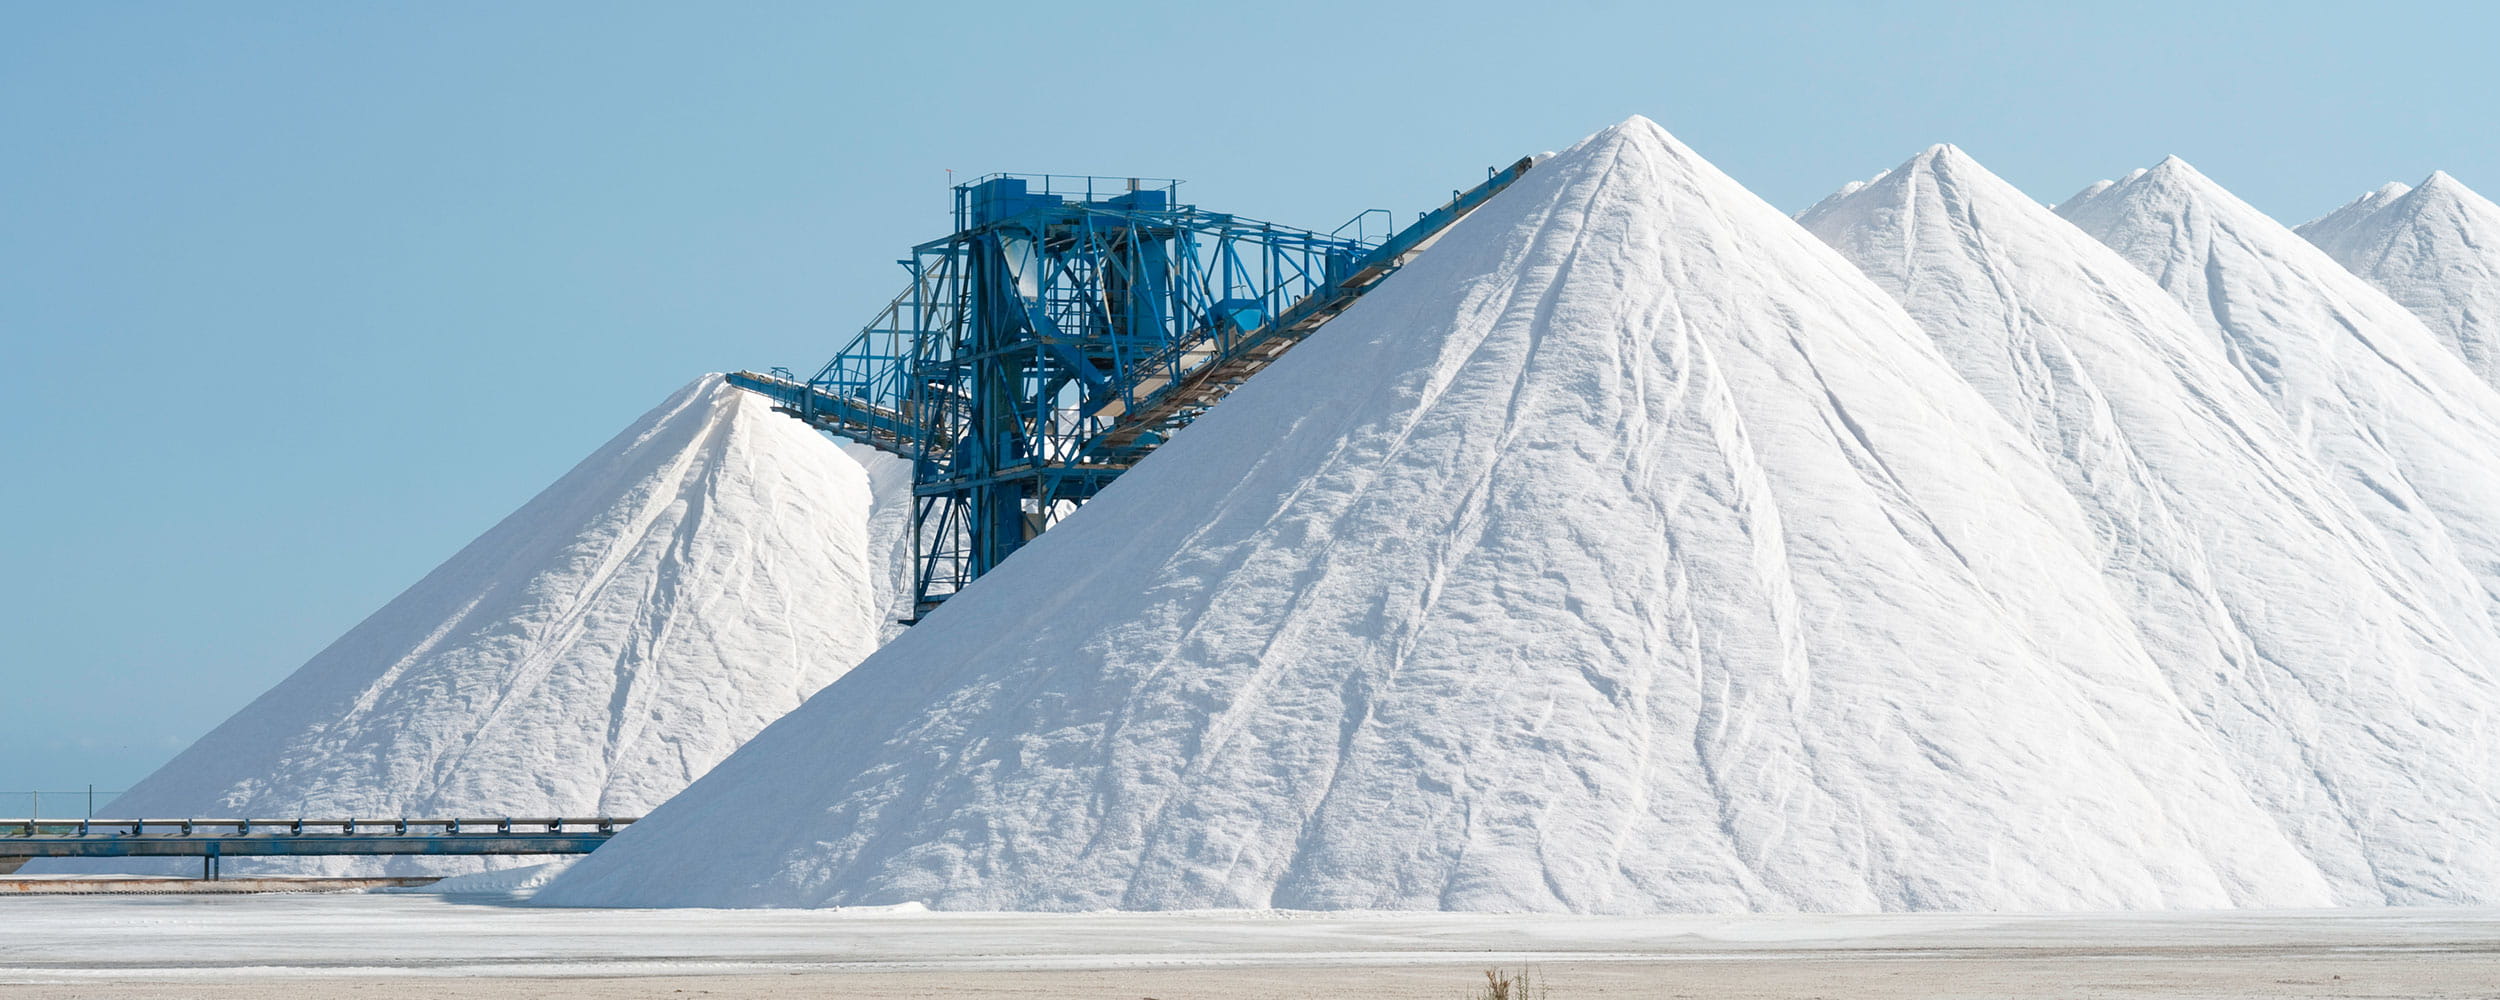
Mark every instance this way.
x=2435 y=249
x=2345 y=703
x=1628 y=552
x=2338 y=225
x=2409 y=433
x=594 y=652
x=890 y=552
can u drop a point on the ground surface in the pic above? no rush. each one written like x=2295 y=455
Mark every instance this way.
x=384 y=946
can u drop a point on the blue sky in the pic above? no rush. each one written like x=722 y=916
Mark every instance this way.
x=298 y=298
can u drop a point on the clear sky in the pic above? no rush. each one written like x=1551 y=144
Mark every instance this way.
x=298 y=298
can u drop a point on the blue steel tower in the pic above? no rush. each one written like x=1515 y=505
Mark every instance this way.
x=1067 y=327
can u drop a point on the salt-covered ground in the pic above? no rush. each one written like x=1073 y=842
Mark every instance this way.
x=407 y=944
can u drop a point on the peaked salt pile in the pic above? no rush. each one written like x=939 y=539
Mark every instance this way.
x=2411 y=436
x=2340 y=222
x=2349 y=709
x=890 y=554
x=594 y=652
x=1627 y=552
x=2435 y=249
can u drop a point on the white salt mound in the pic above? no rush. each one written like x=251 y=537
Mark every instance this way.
x=1628 y=552
x=510 y=884
x=2435 y=249
x=689 y=582
x=2337 y=224
x=2278 y=611
x=2410 y=435
x=890 y=553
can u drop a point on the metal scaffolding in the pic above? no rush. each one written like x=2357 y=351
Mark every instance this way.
x=1065 y=329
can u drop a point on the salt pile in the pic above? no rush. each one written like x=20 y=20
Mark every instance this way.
x=2409 y=433
x=2279 y=613
x=1630 y=551
x=2435 y=249
x=890 y=554
x=2337 y=226
x=594 y=652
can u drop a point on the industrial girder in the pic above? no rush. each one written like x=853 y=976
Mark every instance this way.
x=1065 y=329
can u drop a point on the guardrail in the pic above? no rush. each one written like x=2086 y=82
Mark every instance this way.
x=212 y=839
